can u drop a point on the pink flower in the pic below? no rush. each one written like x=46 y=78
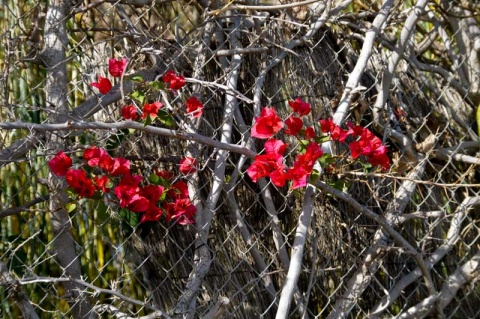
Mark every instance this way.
x=120 y=166
x=194 y=107
x=188 y=165
x=176 y=82
x=116 y=67
x=300 y=107
x=267 y=124
x=103 y=85
x=274 y=146
x=60 y=164
x=129 y=112
x=151 y=110
x=264 y=165
x=294 y=125
x=98 y=157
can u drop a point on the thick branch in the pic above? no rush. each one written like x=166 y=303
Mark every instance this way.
x=297 y=254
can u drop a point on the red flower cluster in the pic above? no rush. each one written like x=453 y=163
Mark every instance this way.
x=271 y=164
x=152 y=201
x=367 y=143
x=151 y=110
x=176 y=82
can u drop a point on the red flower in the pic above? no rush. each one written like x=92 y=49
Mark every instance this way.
x=188 y=165
x=120 y=166
x=178 y=190
x=151 y=110
x=129 y=112
x=60 y=164
x=274 y=146
x=303 y=166
x=176 y=82
x=310 y=132
x=294 y=125
x=336 y=132
x=116 y=67
x=81 y=184
x=327 y=126
x=103 y=85
x=302 y=108
x=267 y=124
x=127 y=189
x=264 y=165
x=182 y=211
x=194 y=107
x=98 y=157
x=152 y=193
x=101 y=183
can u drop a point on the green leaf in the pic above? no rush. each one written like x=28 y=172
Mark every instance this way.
x=326 y=160
x=156 y=85
x=148 y=121
x=314 y=176
x=139 y=96
x=129 y=218
x=137 y=78
x=70 y=207
x=165 y=118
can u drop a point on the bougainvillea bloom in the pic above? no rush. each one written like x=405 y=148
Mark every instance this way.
x=300 y=107
x=267 y=124
x=98 y=157
x=294 y=125
x=151 y=110
x=60 y=164
x=81 y=184
x=182 y=211
x=127 y=189
x=274 y=146
x=310 y=132
x=152 y=193
x=120 y=166
x=129 y=112
x=178 y=190
x=264 y=165
x=194 y=107
x=116 y=67
x=188 y=165
x=327 y=125
x=103 y=85
x=176 y=82
x=101 y=183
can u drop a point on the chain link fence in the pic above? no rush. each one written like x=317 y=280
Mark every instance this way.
x=362 y=243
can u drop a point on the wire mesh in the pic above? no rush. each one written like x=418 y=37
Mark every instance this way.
x=402 y=242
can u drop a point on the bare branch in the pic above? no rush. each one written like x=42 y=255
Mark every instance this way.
x=297 y=254
x=16 y=293
x=70 y=126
